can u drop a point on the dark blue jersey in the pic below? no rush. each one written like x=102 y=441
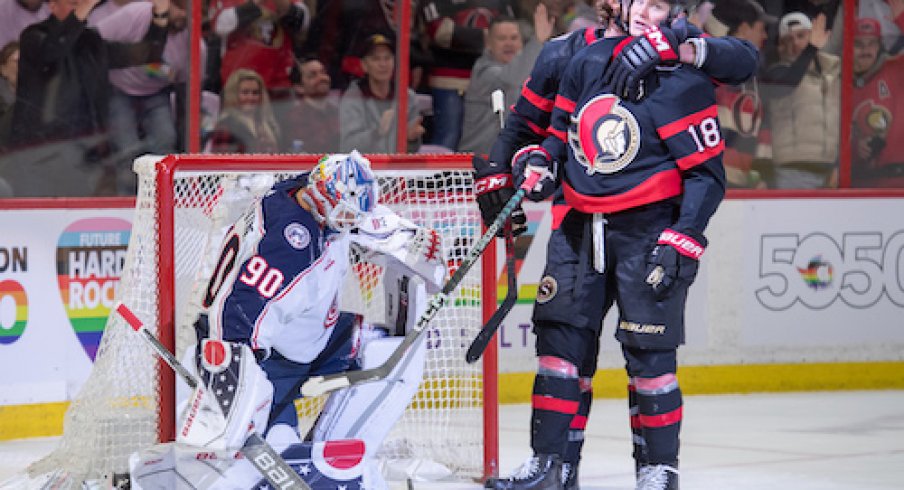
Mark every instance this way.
x=620 y=154
x=277 y=280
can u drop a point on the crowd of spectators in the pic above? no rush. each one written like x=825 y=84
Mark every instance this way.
x=88 y=85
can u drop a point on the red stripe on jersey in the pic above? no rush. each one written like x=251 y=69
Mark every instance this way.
x=558 y=134
x=699 y=157
x=681 y=125
x=531 y=125
x=537 y=129
x=551 y=404
x=536 y=99
x=558 y=214
x=590 y=36
x=662 y=185
x=661 y=420
x=579 y=422
x=566 y=105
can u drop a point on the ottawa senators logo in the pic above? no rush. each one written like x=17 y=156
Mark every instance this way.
x=871 y=119
x=604 y=136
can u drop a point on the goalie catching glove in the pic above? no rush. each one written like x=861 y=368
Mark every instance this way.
x=638 y=58
x=673 y=261
x=493 y=188
x=535 y=159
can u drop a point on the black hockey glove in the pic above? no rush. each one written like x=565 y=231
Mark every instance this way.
x=535 y=159
x=493 y=188
x=673 y=261
x=638 y=59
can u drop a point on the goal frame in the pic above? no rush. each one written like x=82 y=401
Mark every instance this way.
x=166 y=286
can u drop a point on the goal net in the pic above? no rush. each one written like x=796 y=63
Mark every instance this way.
x=184 y=205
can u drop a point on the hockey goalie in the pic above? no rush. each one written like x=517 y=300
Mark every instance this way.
x=272 y=317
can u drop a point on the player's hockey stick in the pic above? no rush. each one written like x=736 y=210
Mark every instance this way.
x=261 y=455
x=319 y=385
x=480 y=342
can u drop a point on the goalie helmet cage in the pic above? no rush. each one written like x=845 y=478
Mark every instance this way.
x=183 y=207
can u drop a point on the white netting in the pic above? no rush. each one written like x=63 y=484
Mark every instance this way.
x=117 y=411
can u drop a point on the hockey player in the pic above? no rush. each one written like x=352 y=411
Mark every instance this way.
x=640 y=180
x=273 y=319
x=725 y=59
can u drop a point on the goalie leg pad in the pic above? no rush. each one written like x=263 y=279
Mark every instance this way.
x=182 y=467
x=173 y=466
x=232 y=401
x=369 y=410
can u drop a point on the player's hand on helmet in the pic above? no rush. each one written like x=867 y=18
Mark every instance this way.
x=534 y=159
x=493 y=188
x=639 y=58
x=674 y=261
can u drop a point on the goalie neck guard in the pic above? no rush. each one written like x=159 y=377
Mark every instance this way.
x=341 y=190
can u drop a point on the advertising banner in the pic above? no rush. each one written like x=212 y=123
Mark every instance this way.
x=59 y=270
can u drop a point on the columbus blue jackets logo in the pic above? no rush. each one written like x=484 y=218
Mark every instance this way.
x=604 y=136
x=297 y=235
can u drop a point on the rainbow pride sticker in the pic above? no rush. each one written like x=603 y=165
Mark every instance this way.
x=90 y=257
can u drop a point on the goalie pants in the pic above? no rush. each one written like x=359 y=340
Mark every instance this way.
x=572 y=300
x=340 y=354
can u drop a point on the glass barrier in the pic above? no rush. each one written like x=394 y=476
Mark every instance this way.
x=316 y=76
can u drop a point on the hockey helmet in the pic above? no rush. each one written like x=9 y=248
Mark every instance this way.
x=676 y=9
x=341 y=189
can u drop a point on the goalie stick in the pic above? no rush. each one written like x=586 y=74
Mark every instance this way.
x=259 y=453
x=480 y=342
x=319 y=385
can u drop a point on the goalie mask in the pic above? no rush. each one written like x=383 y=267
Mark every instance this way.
x=341 y=190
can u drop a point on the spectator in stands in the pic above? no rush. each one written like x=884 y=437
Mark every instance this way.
x=803 y=105
x=455 y=31
x=339 y=30
x=890 y=15
x=878 y=119
x=61 y=104
x=741 y=109
x=141 y=114
x=699 y=14
x=312 y=122
x=504 y=65
x=367 y=110
x=261 y=35
x=9 y=70
x=16 y=15
x=246 y=123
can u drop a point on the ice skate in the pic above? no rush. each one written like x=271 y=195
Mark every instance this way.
x=540 y=472
x=657 y=477
x=570 y=476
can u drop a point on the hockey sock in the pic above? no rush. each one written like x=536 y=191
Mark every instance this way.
x=579 y=423
x=659 y=413
x=554 y=404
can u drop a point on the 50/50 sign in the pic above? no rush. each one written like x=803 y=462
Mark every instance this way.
x=818 y=270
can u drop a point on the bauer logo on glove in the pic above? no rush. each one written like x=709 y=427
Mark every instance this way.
x=673 y=262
